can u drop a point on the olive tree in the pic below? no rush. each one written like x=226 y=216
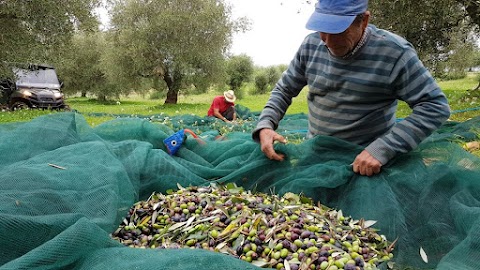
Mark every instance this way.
x=172 y=39
x=82 y=69
x=273 y=75
x=442 y=31
x=261 y=82
x=239 y=71
x=472 y=10
x=34 y=31
x=265 y=78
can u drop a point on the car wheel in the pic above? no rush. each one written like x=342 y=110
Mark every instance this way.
x=64 y=108
x=19 y=105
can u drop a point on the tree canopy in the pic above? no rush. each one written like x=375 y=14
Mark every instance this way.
x=33 y=31
x=82 y=69
x=175 y=40
x=239 y=70
x=442 y=31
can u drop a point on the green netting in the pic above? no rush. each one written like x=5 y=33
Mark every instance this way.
x=66 y=186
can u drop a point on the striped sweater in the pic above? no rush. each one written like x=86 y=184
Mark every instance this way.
x=356 y=98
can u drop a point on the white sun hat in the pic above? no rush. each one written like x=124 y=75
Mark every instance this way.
x=229 y=96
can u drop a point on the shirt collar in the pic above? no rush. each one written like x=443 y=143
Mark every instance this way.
x=360 y=44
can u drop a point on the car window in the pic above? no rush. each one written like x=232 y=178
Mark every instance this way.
x=36 y=78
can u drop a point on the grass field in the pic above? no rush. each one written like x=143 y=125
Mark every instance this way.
x=96 y=112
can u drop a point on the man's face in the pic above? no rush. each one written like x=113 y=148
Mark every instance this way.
x=342 y=43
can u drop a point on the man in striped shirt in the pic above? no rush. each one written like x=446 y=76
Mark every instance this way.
x=355 y=74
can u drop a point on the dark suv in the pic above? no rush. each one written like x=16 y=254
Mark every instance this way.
x=33 y=86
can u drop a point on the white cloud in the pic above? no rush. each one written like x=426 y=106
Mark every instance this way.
x=278 y=28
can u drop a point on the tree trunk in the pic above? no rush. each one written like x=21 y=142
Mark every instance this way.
x=174 y=81
x=172 y=97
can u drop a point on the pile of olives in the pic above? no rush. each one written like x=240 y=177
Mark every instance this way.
x=287 y=232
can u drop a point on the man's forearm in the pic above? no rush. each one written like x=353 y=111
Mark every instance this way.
x=219 y=116
x=407 y=134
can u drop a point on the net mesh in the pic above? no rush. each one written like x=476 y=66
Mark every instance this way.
x=65 y=187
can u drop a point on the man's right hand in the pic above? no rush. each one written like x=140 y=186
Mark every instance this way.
x=366 y=164
x=267 y=139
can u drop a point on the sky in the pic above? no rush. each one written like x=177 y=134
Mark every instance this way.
x=277 y=29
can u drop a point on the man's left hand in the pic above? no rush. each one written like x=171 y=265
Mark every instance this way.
x=366 y=164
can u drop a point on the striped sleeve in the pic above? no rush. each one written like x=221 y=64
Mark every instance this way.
x=289 y=86
x=414 y=85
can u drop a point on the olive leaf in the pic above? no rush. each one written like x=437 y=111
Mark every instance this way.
x=145 y=220
x=238 y=242
x=369 y=223
x=260 y=263
x=287 y=265
x=156 y=205
x=154 y=216
x=176 y=226
x=423 y=255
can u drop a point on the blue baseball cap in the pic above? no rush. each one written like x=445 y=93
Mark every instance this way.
x=335 y=16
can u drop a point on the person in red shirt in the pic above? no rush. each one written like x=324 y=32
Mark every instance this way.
x=223 y=107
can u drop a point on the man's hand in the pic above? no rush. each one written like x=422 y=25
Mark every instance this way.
x=216 y=113
x=366 y=164
x=267 y=138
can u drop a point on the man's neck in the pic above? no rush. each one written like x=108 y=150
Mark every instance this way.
x=359 y=45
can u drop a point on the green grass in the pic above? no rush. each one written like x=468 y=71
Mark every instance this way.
x=97 y=112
